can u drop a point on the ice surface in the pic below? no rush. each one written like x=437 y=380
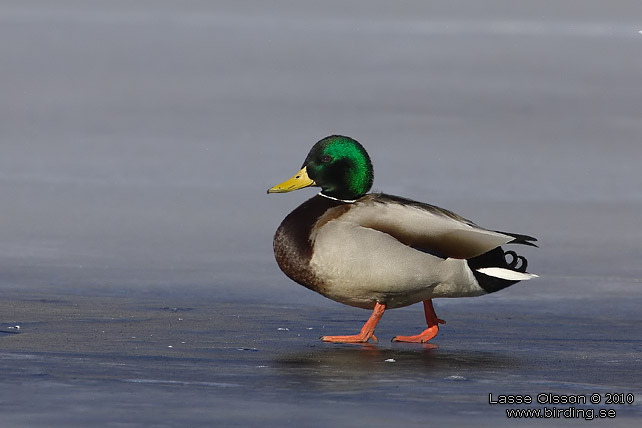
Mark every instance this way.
x=138 y=138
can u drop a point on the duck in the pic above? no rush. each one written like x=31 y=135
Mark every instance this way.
x=378 y=251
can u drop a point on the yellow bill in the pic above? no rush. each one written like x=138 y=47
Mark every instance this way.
x=299 y=181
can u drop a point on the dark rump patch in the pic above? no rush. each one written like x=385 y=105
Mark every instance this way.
x=496 y=258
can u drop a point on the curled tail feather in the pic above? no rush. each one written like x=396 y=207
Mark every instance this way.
x=498 y=269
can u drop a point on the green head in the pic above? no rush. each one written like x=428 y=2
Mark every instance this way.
x=340 y=166
x=337 y=164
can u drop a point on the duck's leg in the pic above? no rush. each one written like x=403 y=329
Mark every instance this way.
x=433 y=326
x=367 y=331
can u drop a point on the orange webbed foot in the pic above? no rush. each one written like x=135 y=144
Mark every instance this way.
x=432 y=330
x=354 y=338
x=367 y=332
x=423 y=337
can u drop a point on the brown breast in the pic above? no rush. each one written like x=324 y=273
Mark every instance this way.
x=292 y=246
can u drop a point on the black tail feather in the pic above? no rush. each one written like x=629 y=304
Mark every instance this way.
x=497 y=258
x=518 y=263
x=521 y=239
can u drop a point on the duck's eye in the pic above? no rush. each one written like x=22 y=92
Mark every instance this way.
x=326 y=158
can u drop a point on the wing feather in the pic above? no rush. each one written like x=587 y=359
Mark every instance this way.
x=422 y=226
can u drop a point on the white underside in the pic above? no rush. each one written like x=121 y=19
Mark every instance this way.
x=371 y=266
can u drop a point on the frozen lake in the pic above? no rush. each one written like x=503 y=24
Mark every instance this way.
x=139 y=138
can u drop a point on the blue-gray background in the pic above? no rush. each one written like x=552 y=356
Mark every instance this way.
x=138 y=138
x=142 y=135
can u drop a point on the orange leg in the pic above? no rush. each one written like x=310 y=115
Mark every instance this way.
x=433 y=326
x=367 y=331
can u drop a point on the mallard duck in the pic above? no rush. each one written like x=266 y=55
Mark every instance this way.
x=378 y=251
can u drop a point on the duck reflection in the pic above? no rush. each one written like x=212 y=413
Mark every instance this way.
x=350 y=368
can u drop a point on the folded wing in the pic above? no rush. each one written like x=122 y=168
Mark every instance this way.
x=425 y=227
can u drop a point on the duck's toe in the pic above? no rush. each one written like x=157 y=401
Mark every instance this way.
x=423 y=337
x=354 y=338
x=367 y=332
